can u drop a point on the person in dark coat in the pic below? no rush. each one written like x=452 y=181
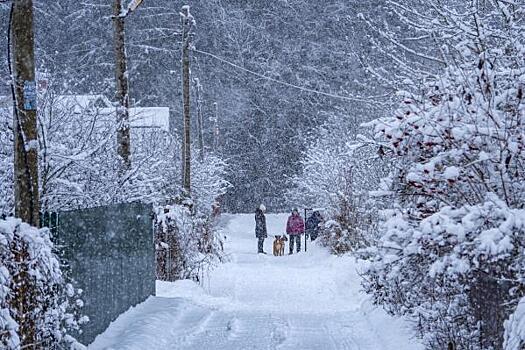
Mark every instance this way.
x=312 y=225
x=260 y=228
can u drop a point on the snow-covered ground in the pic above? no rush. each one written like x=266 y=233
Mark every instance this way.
x=310 y=300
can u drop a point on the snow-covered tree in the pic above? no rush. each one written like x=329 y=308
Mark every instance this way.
x=451 y=251
x=338 y=171
x=209 y=182
x=78 y=157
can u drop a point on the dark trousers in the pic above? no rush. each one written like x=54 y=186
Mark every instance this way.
x=260 y=244
x=297 y=239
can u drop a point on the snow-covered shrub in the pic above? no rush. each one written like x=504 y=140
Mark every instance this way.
x=515 y=329
x=6 y=162
x=186 y=238
x=186 y=244
x=451 y=252
x=351 y=226
x=335 y=237
x=35 y=300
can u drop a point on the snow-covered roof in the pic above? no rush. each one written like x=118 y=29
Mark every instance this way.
x=146 y=117
x=140 y=117
x=81 y=103
x=150 y=117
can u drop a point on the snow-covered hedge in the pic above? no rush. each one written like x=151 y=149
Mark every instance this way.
x=451 y=252
x=452 y=271
x=34 y=297
x=187 y=244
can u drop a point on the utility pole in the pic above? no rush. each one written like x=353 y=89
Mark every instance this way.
x=187 y=24
x=122 y=82
x=122 y=87
x=21 y=57
x=198 y=91
x=25 y=123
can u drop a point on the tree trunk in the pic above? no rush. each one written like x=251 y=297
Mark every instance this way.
x=186 y=145
x=122 y=95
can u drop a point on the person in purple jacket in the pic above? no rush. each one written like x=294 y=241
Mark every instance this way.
x=295 y=228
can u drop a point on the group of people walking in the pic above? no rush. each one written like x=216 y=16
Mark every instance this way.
x=295 y=228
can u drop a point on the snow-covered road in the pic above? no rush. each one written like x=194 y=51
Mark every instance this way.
x=308 y=300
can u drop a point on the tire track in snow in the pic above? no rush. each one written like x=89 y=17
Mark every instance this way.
x=341 y=336
x=279 y=331
x=196 y=331
x=232 y=328
x=308 y=301
x=187 y=322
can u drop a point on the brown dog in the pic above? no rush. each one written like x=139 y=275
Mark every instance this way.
x=278 y=245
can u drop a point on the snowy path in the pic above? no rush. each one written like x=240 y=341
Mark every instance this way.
x=305 y=301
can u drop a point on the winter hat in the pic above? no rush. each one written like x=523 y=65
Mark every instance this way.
x=295 y=210
x=262 y=207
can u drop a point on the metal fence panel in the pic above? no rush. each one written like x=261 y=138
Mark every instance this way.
x=110 y=255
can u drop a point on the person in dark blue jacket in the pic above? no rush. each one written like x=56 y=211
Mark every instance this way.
x=312 y=225
x=260 y=228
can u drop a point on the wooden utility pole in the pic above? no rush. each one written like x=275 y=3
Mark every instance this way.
x=25 y=125
x=187 y=24
x=198 y=91
x=22 y=68
x=122 y=87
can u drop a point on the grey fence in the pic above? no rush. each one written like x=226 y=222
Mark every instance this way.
x=110 y=255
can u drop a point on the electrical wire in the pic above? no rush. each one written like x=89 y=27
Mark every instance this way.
x=302 y=88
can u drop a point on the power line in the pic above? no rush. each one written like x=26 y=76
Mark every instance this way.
x=302 y=88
